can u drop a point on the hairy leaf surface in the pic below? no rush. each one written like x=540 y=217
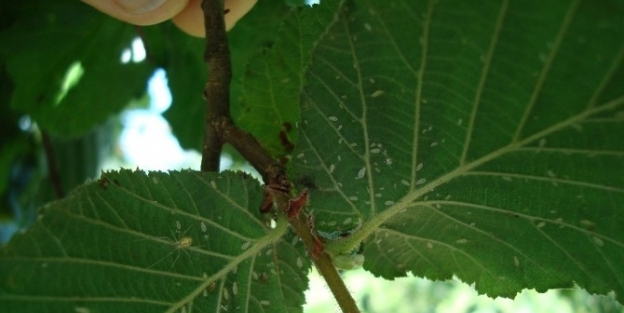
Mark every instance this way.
x=476 y=140
x=157 y=242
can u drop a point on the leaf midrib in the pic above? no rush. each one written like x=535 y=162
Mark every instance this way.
x=406 y=202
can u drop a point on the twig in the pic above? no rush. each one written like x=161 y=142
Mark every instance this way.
x=219 y=128
x=55 y=177
x=325 y=266
x=217 y=89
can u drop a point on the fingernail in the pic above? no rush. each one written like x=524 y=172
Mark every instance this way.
x=140 y=6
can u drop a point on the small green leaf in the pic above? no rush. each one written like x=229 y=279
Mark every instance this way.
x=157 y=242
x=182 y=57
x=476 y=140
x=274 y=78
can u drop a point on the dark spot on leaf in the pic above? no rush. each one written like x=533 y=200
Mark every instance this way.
x=103 y=183
x=116 y=182
x=226 y=11
x=288 y=146
x=263 y=277
x=307 y=181
x=287 y=126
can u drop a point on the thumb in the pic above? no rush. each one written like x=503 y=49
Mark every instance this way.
x=186 y=14
x=140 y=12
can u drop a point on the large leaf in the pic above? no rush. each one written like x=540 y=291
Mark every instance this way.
x=64 y=61
x=478 y=140
x=157 y=242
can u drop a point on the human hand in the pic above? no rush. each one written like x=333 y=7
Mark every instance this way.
x=186 y=14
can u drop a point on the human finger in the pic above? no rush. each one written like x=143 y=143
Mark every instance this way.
x=140 y=12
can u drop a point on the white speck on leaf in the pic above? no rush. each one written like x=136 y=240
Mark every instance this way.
x=361 y=173
x=178 y=225
x=203 y=227
x=421 y=181
x=377 y=93
x=347 y=221
x=375 y=150
x=155 y=180
x=264 y=302
x=81 y=309
x=429 y=245
x=235 y=288
x=332 y=118
x=268 y=252
x=462 y=241
x=353 y=198
x=245 y=245
x=389 y=202
x=550 y=173
x=419 y=166
x=542 y=143
x=213 y=184
x=332 y=168
x=541 y=224
x=299 y=262
x=516 y=261
x=332 y=223
x=368 y=27
x=598 y=241
x=405 y=182
x=433 y=144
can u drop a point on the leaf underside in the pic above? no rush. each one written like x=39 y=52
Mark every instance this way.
x=123 y=244
x=482 y=141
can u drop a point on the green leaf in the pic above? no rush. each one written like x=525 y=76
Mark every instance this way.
x=182 y=57
x=274 y=78
x=64 y=60
x=476 y=140
x=156 y=242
